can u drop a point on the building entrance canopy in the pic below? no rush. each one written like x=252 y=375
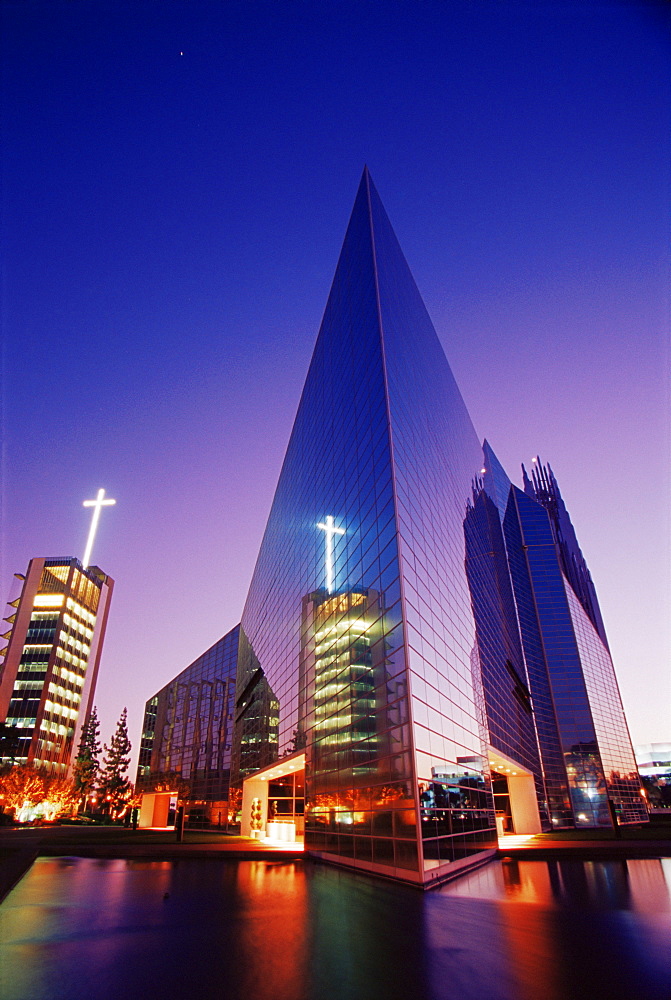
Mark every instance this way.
x=273 y=802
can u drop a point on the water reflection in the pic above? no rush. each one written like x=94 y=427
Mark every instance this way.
x=643 y=886
x=106 y=930
x=594 y=929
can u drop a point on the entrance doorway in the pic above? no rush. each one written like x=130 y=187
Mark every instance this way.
x=273 y=802
x=504 y=813
x=515 y=798
x=158 y=810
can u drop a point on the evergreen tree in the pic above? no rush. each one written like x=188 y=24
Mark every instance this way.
x=117 y=787
x=87 y=764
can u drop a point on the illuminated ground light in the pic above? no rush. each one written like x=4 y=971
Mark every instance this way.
x=289 y=845
x=516 y=839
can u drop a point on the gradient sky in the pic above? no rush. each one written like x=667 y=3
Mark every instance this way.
x=177 y=179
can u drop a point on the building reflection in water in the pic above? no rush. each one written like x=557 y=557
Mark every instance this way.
x=592 y=929
x=280 y=931
x=643 y=886
x=270 y=944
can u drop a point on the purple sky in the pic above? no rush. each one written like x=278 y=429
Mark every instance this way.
x=177 y=179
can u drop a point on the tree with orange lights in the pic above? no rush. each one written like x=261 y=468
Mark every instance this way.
x=32 y=794
x=20 y=786
x=61 y=797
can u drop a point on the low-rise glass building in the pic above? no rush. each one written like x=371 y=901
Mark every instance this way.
x=185 y=747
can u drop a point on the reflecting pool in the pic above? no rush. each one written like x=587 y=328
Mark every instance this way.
x=109 y=930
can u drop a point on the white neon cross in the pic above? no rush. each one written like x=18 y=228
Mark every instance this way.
x=97 y=505
x=330 y=530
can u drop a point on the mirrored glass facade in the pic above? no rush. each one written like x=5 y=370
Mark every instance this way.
x=588 y=762
x=618 y=762
x=616 y=754
x=358 y=625
x=187 y=734
x=408 y=621
x=550 y=691
x=542 y=487
x=507 y=697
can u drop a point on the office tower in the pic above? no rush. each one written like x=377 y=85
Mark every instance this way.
x=358 y=619
x=51 y=663
x=186 y=734
x=537 y=572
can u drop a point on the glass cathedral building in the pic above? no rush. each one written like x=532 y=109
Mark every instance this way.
x=384 y=647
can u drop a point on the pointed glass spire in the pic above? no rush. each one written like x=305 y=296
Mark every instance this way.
x=358 y=617
x=495 y=478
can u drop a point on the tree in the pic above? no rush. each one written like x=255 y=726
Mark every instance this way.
x=61 y=797
x=21 y=787
x=298 y=742
x=33 y=794
x=116 y=786
x=87 y=764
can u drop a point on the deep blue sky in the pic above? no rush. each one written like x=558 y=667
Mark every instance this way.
x=177 y=179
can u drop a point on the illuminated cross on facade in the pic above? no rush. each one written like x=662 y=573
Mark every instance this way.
x=330 y=529
x=97 y=505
